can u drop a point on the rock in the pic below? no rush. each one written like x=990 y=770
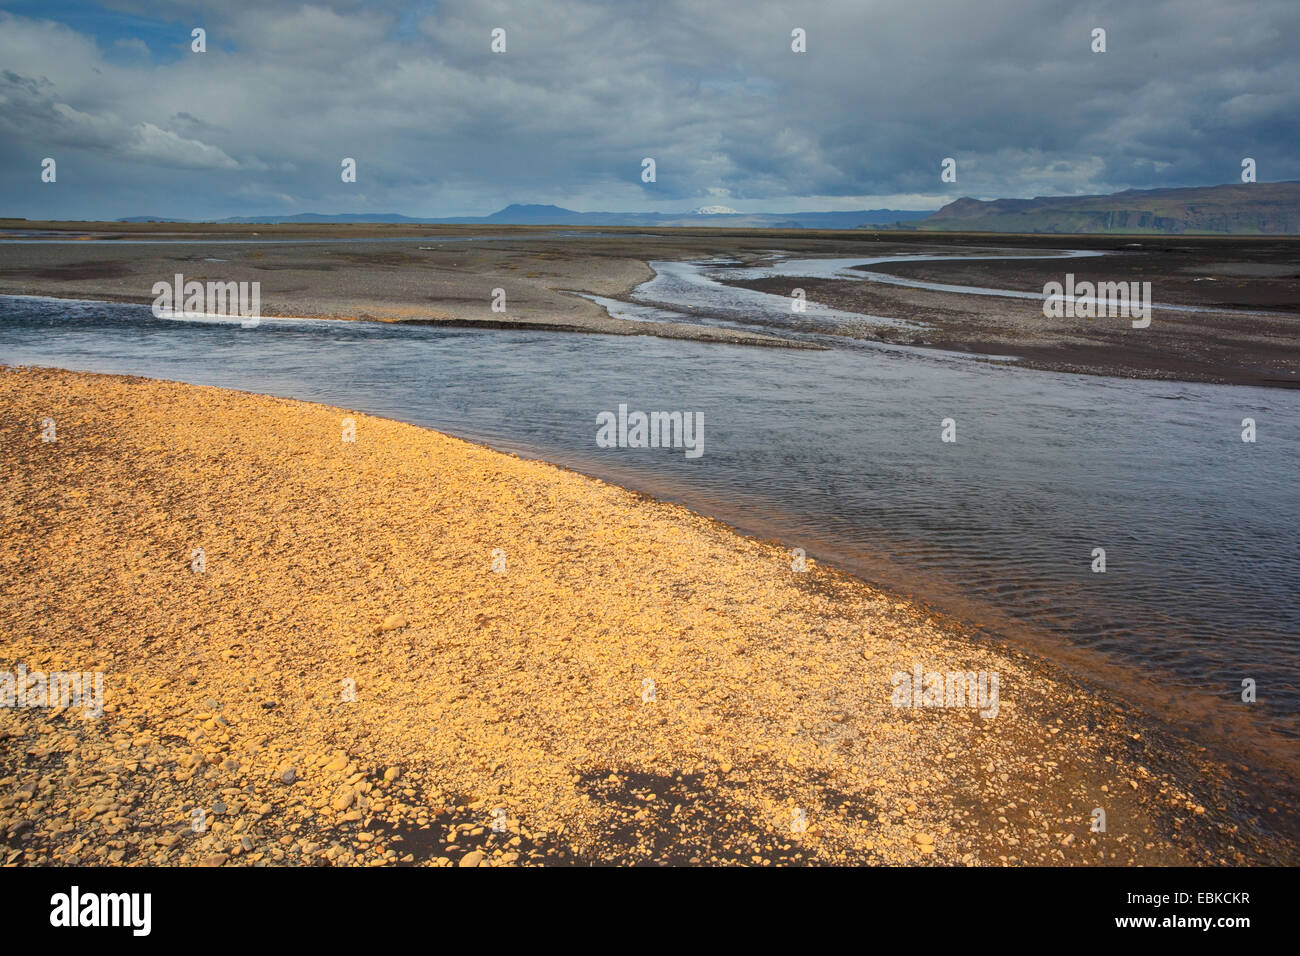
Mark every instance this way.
x=393 y=622
x=473 y=858
x=21 y=829
x=340 y=762
x=288 y=776
x=923 y=839
x=391 y=774
x=342 y=800
x=216 y=859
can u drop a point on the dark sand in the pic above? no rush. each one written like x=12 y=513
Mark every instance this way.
x=1236 y=343
x=436 y=283
x=540 y=269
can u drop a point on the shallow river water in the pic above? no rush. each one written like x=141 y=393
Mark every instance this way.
x=840 y=452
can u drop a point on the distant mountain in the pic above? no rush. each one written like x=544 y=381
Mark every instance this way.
x=527 y=214
x=1234 y=209
x=309 y=217
x=538 y=215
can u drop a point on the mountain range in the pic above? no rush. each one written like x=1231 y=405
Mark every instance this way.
x=524 y=215
x=1233 y=209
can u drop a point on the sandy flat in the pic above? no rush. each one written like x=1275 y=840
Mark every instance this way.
x=450 y=275
x=529 y=282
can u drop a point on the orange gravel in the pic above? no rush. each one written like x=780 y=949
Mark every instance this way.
x=345 y=679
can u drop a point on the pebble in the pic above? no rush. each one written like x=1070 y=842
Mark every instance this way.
x=192 y=755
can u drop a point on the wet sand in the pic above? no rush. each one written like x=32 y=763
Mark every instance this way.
x=431 y=283
x=347 y=681
x=1232 y=343
x=453 y=283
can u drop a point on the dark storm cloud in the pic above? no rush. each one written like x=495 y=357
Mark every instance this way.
x=441 y=126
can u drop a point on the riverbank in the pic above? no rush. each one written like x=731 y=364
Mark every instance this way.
x=345 y=679
x=456 y=275
x=1243 y=332
x=507 y=278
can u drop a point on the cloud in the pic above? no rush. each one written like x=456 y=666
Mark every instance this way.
x=132 y=45
x=439 y=125
x=30 y=109
x=151 y=144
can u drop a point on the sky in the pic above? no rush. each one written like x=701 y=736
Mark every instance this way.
x=440 y=125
